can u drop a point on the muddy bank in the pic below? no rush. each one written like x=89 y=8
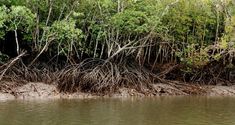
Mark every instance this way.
x=40 y=91
x=45 y=91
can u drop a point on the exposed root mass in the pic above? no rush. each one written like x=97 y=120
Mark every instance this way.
x=104 y=77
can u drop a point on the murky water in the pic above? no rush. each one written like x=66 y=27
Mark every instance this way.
x=150 y=111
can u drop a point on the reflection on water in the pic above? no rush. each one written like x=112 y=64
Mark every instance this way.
x=148 y=111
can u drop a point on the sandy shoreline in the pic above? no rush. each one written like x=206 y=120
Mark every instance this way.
x=45 y=91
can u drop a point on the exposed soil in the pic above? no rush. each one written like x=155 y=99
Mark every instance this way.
x=45 y=91
x=6 y=96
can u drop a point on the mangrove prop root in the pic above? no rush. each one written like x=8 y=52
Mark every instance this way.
x=10 y=63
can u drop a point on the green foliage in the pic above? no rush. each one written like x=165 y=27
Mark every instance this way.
x=65 y=29
x=17 y=18
x=3 y=15
x=130 y=21
x=3 y=18
x=66 y=35
x=140 y=17
x=3 y=58
x=195 y=25
x=191 y=21
x=21 y=17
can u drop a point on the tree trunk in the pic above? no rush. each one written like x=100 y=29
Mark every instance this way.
x=17 y=42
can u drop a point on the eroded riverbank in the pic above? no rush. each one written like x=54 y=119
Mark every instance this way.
x=50 y=91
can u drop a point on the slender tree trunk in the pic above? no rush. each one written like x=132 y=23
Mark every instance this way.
x=37 y=32
x=119 y=6
x=49 y=13
x=17 y=42
x=217 y=26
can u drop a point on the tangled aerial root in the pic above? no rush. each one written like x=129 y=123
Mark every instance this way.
x=99 y=76
x=91 y=75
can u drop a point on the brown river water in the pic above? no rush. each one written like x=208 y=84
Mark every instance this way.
x=128 y=111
